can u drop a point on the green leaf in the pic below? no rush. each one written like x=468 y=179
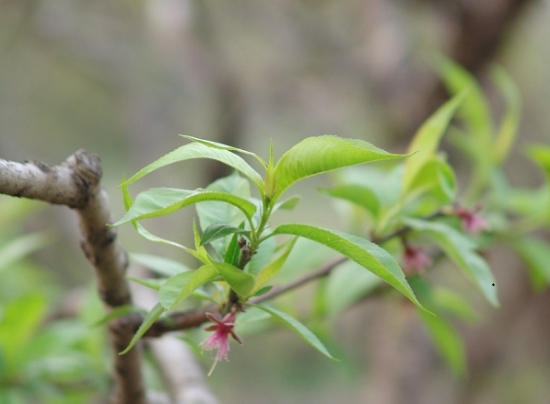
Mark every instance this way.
x=222 y=213
x=171 y=288
x=437 y=177
x=475 y=109
x=115 y=313
x=287 y=204
x=20 y=247
x=536 y=254
x=365 y=253
x=447 y=341
x=217 y=231
x=348 y=284
x=233 y=251
x=151 y=283
x=18 y=324
x=272 y=268
x=198 y=150
x=360 y=195
x=178 y=287
x=478 y=140
x=150 y=318
x=222 y=146
x=541 y=155
x=509 y=124
x=262 y=291
x=461 y=250
x=240 y=281
x=426 y=141
x=297 y=327
x=263 y=256
x=126 y=197
x=269 y=183
x=162 y=201
x=454 y=304
x=160 y=265
x=317 y=155
x=142 y=231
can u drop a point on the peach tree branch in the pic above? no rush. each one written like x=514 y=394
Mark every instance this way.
x=76 y=184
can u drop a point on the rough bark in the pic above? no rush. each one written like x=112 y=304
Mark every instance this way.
x=76 y=184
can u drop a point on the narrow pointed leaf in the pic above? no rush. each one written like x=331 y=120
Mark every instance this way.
x=126 y=198
x=19 y=322
x=436 y=176
x=213 y=212
x=358 y=194
x=426 y=141
x=178 y=287
x=240 y=281
x=509 y=124
x=151 y=283
x=273 y=267
x=446 y=339
x=150 y=318
x=20 y=247
x=217 y=231
x=475 y=110
x=198 y=150
x=454 y=304
x=217 y=145
x=461 y=250
x=160 y=265
x=117 y=312
x=263 y=256
x=348 y=284
x=367 y=254
x=317 y=155
x=171 y=288
x=233 y=250
x=448 y=343
x=142 y=231
x=287 y=204
x=540 y=154
x=536 y=254
x=162 y=201
x=297 y=327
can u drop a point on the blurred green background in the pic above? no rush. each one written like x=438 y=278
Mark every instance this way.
x=124 y=78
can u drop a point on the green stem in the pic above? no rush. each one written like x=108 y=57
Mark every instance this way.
x=244 y=258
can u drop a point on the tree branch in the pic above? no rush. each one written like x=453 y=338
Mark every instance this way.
x=76 y=183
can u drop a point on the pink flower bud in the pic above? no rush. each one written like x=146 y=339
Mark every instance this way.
x=471 y=221
x=220 y=339
x=414 y=259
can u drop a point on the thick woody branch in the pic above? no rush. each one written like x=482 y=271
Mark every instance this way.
x=76 y=183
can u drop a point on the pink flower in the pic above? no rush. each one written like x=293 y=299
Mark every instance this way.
x=220 y=339
x=414 y=259
x=471 y=221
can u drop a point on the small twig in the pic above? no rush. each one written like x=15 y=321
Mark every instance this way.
x=310 y=276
